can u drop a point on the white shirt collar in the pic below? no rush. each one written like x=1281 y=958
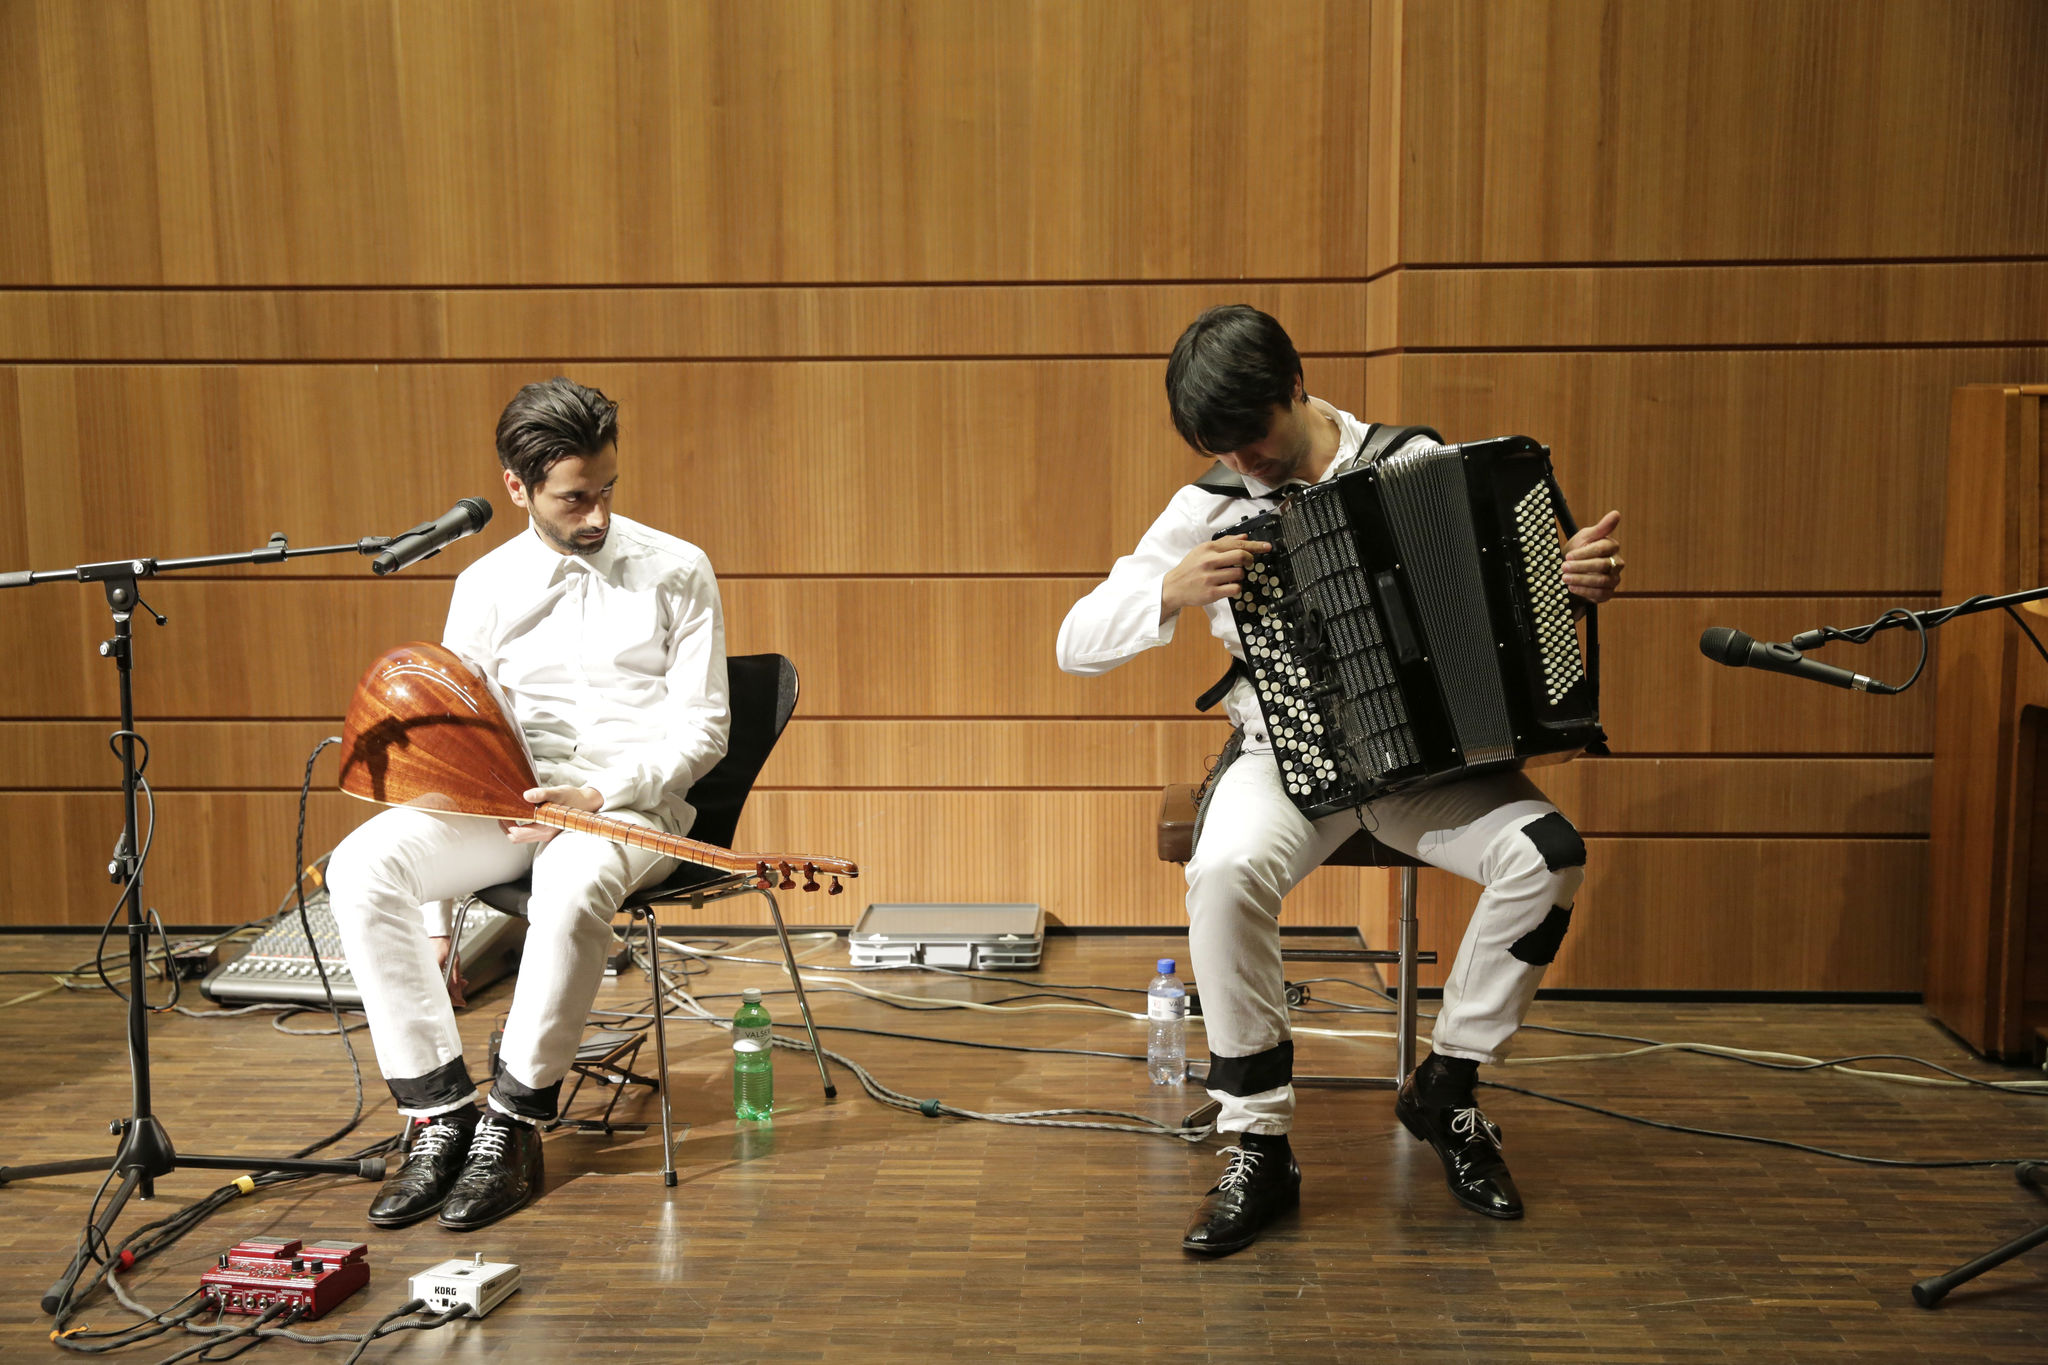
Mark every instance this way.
x=551 y=564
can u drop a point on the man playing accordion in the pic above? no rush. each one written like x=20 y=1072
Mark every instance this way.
x=1234 y=384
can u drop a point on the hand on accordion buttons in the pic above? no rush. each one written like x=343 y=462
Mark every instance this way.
x=1211 y=572
x=1592 y=560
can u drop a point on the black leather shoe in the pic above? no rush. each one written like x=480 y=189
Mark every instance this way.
x=503 y=1173
x=1261 y=1182
x=421 y=1185
x=1469 y=1146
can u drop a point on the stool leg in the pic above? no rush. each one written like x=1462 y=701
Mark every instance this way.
x=803 y=1003
x=1404 y=1040
x=668 y=1144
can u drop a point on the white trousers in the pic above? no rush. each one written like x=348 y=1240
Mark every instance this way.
x=384 y=875
x=1254 y=846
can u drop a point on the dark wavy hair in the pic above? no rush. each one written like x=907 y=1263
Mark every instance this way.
x=1227 y=372
x=547 y=423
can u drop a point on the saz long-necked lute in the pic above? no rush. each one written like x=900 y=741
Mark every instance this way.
x=424 y=730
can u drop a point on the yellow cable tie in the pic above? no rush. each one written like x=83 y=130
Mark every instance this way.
x=246 y=1184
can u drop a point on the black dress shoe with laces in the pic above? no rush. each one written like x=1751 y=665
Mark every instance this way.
x=420 y=1186
x=1466 y=1141
x=1261 y=1182
x=503 y=1173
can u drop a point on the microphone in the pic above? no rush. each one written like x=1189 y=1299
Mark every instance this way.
x=429 y=538
x=1733 y=648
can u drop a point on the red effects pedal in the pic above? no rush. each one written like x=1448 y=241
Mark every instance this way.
x=313 y=1277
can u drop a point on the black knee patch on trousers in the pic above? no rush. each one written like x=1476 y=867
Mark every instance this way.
x=446 y=1084
x=528 y=1103
x=1557 y=839
x=1262 y=1071
x=1538 y=947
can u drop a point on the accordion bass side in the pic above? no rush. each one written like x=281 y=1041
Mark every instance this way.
x=1411 y=625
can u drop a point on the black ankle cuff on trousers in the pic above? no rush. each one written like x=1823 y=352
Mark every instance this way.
x=523 y=1100
x=447 y=1084
x=1444 y=1080
x=1260 y=1072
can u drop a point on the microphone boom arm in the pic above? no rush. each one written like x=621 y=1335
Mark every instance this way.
x=145 y=566
x=1924 y=620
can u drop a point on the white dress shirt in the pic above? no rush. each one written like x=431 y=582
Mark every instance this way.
x=614 y=663
x=1119 y=619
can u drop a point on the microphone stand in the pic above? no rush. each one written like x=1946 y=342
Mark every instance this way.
x=1927 y=620
x=1929 y=1293
x=145 y=1150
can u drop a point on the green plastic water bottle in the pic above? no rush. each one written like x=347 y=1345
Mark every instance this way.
x=753 y=1059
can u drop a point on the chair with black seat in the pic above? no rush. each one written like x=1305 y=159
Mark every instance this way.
x=762 y=694
x=1179 y=805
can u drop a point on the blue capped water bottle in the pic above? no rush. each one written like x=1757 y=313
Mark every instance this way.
x=1166 y=1004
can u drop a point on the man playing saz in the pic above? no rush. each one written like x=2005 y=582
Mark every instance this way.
x=607 y=640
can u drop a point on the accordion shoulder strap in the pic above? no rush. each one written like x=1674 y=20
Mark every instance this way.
x=1380 y=440
x=1385 y=440
x=1223 y=684
x=1222 y=481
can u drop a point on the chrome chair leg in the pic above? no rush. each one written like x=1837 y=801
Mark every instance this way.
x=462 y=909
x=803 y=1003
x=1404 y=1035
x=668 y=1145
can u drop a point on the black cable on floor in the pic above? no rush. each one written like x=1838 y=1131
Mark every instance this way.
x=1762 y=1141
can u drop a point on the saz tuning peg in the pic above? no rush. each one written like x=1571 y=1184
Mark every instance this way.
x=788 y=882
x=810 y=876
x=836 y=888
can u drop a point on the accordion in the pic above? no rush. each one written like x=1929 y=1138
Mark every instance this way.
x=1411 y=624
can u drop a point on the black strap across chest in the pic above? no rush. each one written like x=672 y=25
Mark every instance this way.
x=1380 y=440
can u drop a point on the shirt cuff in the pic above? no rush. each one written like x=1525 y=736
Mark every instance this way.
x=618 y=788
x=1162 y=631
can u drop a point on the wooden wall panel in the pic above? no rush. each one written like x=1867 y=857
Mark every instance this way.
x=886 y=289
x=772 y=323
x=1758 y=796
x=1721 y=130
x=1735 y=471
x=1384 y=151
x=1985 y=913
x=1980 y=303
x=1088 y=857
x=218 y=857
x=1699 y=914
x=184 y=755
x=1693 y=445
x=1754 y=796
x=1656 y=913
x=487 y=142
x=868 y=648
x=1775 y=797
x=906 y=467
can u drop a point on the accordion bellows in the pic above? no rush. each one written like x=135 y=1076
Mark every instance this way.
x=1411 y=625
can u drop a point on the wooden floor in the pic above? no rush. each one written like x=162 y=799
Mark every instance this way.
x=853 y=1232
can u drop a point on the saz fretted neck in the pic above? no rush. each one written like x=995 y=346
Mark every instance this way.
x=425 y=730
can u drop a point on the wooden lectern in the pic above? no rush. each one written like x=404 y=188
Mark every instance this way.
x=1987 y=922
